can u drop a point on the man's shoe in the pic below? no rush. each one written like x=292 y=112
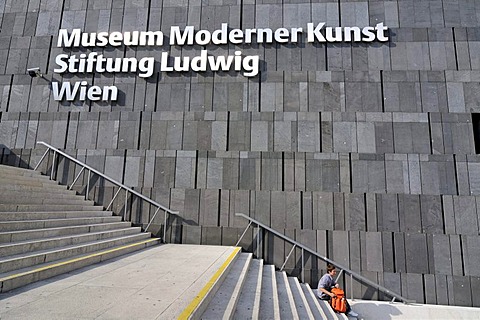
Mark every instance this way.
x=352 y=313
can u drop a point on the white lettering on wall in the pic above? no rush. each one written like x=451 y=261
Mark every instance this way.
x=76 y=38
x=81 y=91
x=248 y=65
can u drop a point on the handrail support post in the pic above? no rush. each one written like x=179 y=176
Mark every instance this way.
x=76 y=178
x=243 y=234
x=126 y=203
x=351 y=286
x=303 y=266
x=88 y=185
x=165 y=228
x=53 y=165
x=113 y=199
x=339 y=275
x=151 y=220
x=259 y=234
x=288 y=256
x=41 y=159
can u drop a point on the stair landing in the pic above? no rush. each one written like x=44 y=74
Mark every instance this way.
x=160 y=283
x=155 y=283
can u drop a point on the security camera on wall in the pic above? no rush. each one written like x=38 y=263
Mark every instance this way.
x=34 y=72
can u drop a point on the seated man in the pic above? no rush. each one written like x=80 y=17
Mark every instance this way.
x=325 y=285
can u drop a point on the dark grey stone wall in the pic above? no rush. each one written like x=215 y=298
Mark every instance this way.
x=364 y=152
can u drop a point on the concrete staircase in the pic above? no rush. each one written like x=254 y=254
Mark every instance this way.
x=46 y=230
x=252 y=290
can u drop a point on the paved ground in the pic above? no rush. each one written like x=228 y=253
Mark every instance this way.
x=384 y=311
x=157 y=283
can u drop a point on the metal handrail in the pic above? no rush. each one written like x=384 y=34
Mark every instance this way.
x=113 y=181
x=353 y=274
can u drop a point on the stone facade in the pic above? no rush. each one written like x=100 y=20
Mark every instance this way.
x=364 y=152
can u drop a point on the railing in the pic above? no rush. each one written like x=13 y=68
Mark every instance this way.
x=56 y=152
x=353 y=275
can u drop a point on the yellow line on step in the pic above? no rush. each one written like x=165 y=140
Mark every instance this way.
x=13 y=276
x=201 y=295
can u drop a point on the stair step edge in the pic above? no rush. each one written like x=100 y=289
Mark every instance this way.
x=100 y=224
x=67 y=237
x=323 y=305
x=54 y=223
x=254 y=280
x=57 y=250
x=230 y=289
x=300 y=299
x=21 y=278
x=290 y=303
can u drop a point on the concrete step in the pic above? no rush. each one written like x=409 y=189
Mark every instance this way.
x=40 y=181
x=43 y=215
x=325 y=306
x=269 y=308
x=17 y=170
x=54 y=223
x=47 y=207
x=21 y=247
x=24 y=188
x=35 y=234
x=331 y=314
x=26 y=180
x=341 y=316
x=285 y=297
x=25 y=276
x=7 y=166
x=39 y=200
x=46 y=194
x=301 y=303
x=313 y=302
x=21 y=175
x=224 y=302
x=46 y=230
x=29 y=259
x=248 y=306
x=183 y=306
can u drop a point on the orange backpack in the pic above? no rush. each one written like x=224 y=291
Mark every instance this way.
x=338 y=303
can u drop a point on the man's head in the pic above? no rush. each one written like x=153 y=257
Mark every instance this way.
x=331 y=269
